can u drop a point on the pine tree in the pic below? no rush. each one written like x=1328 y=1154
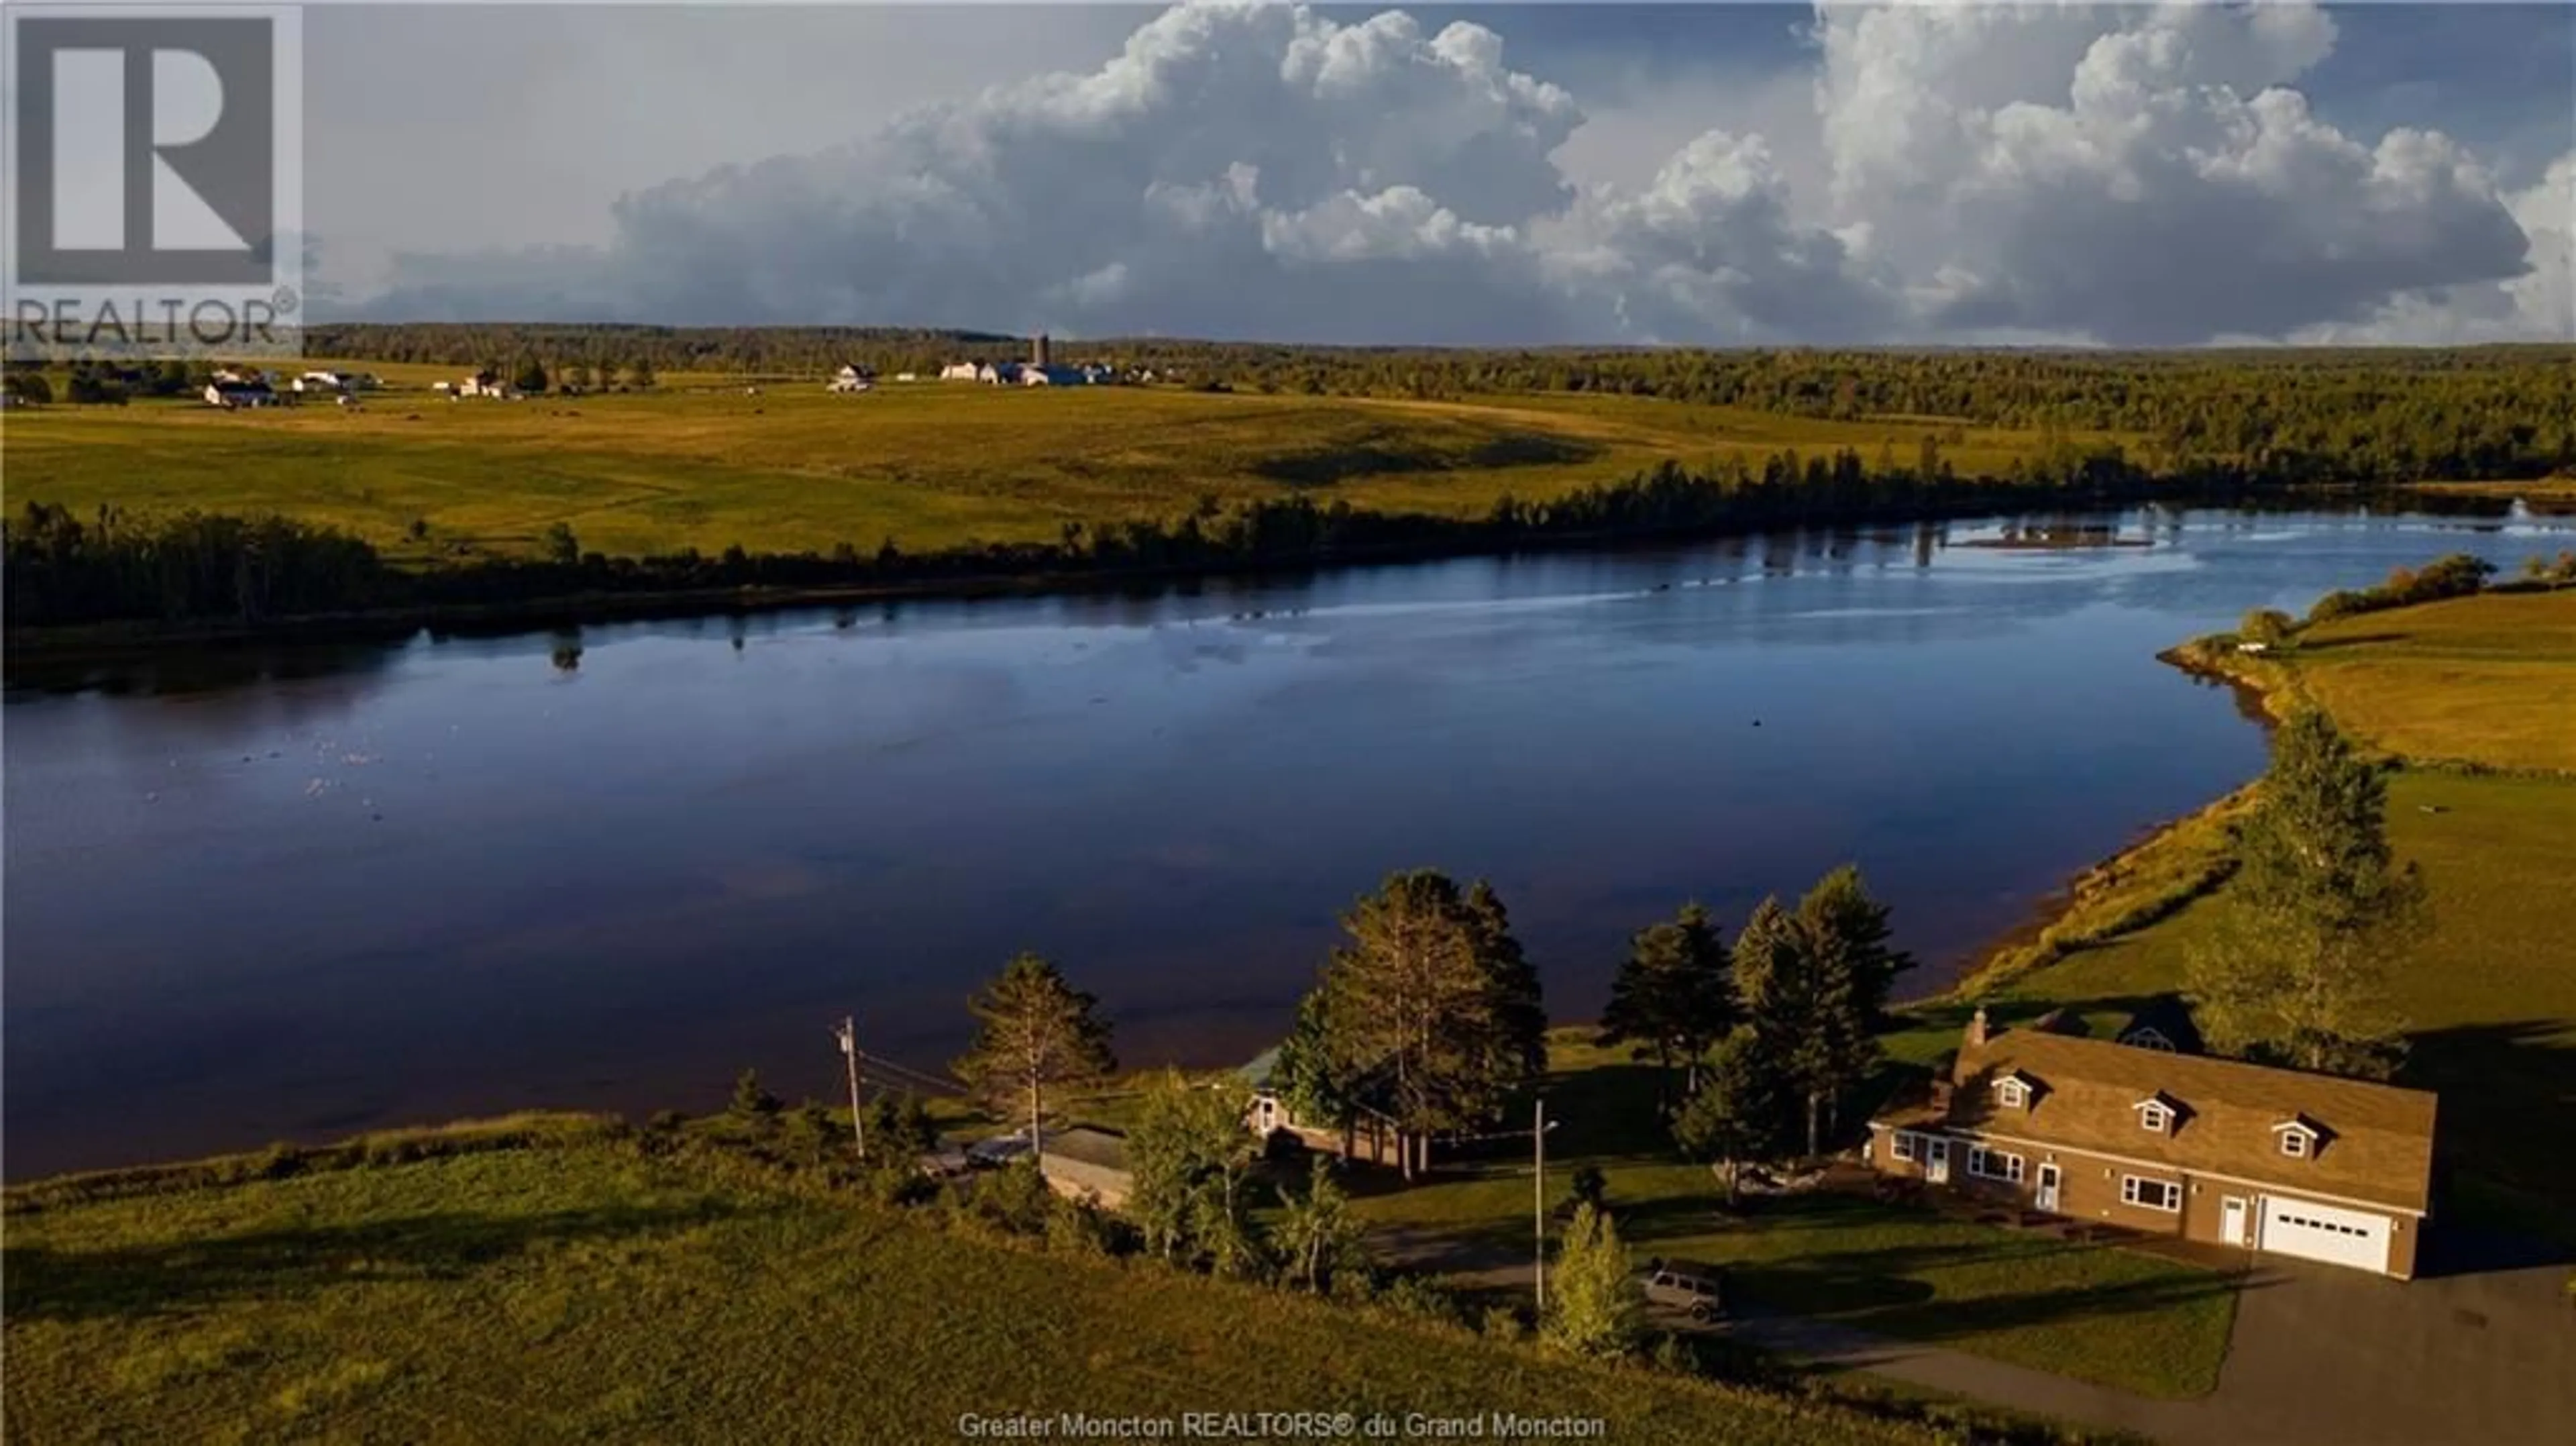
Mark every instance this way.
x=1432 y=1002
x=1846 y=934
x=1674 y=995
x=1736 y=1115
x=1036 y=1032
x=1519 y=1047
x=1776 y=987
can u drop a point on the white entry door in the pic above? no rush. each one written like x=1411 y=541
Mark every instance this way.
x=2334 y=1235
x=2231 y=1221
x=1936 y=1160
x=2046 y=1195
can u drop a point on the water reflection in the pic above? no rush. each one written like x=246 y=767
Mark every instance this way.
x=326 y=886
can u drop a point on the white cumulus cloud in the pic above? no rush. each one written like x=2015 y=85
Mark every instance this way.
x=2125 y=176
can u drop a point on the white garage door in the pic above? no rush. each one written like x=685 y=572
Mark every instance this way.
x=2336 y=1236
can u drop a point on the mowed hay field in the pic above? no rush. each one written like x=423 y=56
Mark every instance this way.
x=586 y=1292
x=2489 y=679
x=2489 y=993
x=931 y=465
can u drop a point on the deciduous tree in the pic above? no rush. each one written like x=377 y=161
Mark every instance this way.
x=2296 y=968
x=1594 y=1304
x=1191 y=1158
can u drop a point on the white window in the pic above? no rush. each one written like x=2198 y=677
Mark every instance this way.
x=2294 y=1144
x=1901 y=1145
x=1994 y=1164
x=2012 y=1093
x=2154 y=1116
x=2152 y=1194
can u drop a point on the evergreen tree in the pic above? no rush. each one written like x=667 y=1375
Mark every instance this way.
x=752 y=1105
x=1776 y=987
x=2296 y=971
x=1846 y=934
x=1674 y=995
x=1736 y=1116
x=1429 y=1002
x=1519 y=1049
x=1036 y=1032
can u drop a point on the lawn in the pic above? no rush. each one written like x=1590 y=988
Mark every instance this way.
x=2489 y=993
x=2121 y=1318
x=587 y=1292
x=929 y=465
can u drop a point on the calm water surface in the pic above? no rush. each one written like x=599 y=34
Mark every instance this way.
x=347 y=887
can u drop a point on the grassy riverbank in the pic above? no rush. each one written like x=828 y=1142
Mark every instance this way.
x=581 y=1288
x=933 y=466
x=2475 y=697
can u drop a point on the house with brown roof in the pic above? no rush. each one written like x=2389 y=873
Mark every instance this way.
x=2168 y=1143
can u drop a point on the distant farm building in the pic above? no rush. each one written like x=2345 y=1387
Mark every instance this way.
x=853 y=379
x=229 y=391
x=960 y=372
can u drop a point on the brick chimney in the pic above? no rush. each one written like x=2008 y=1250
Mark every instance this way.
x=1977 y=1033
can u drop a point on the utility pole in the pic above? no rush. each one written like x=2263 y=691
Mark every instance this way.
x=848 y=1034
x=1538 y=1171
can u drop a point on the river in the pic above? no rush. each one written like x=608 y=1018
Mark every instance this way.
x=300 y=892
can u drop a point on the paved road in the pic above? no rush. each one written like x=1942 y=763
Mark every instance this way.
x=2319 y=1357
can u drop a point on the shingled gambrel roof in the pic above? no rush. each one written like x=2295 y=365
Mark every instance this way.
x=2375 y=1141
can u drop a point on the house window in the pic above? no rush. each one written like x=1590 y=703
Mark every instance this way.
x=1901 y=1145
x=1994 y=1164
x=2154 y=1116
x=2012 y=1093
x=2294 y=1144
x=2150 y=1194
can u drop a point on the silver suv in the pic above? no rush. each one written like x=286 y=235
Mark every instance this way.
x=1682 y=1286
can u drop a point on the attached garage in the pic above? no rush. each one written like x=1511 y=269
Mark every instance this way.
x=2328 y=1233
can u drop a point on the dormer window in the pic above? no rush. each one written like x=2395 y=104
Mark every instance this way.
x=2298 y=1138
x=2155 y=1114
x=2013 y=1091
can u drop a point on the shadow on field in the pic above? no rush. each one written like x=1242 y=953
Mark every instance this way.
x=2497 y=1081
x=1324 y=467
x=140 y=1281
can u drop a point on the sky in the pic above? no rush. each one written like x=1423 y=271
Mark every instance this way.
x=1928 y=173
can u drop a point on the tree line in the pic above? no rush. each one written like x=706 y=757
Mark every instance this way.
x=203 y=567
x=2363 y=415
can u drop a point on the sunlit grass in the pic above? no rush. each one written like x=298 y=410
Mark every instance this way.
x=586 y=1292
x=927 y=464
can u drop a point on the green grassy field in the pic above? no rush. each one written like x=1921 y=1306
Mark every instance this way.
x=2490 y=993
x=2138 y=1322
x=586 y=1292
x=2488 y=680
x=930 y=465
